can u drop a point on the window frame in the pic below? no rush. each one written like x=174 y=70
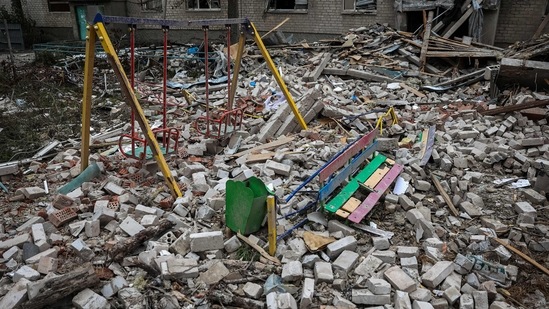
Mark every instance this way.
x=158 y=8
x=199 y=9
x=286 y=11
x=55 y=3
x=354 y=10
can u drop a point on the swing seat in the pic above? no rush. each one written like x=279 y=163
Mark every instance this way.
x=168 y=141
x=226 y=124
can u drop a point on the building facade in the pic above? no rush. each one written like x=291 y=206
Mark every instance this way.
x=506 y=21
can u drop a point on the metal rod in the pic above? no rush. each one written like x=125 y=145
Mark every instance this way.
x=168 y=22
x=131 y=100
x=87 y=97
x=317 y=172
x=165 y=89
x=271 y=220
x=206 y=76
x=229 y=101
x=132 y=80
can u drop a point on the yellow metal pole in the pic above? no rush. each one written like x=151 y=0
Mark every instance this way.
x=277 y=77
x=86 y=99
x=236 y=69
x=271 y=224
x=131 y=100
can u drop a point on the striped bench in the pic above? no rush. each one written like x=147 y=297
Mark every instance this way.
x=376 y=177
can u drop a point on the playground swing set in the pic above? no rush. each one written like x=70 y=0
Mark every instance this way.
x=146 y=143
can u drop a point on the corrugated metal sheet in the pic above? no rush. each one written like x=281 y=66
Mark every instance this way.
x=16 y=36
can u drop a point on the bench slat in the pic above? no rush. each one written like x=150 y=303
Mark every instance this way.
x=334 y=204
x=342 y=213
x=342 y=159
x=351 y=204
x=376 y=177
x=373 y=197
x=348 y=171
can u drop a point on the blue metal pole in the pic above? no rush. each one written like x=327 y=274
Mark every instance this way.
x=293 y=193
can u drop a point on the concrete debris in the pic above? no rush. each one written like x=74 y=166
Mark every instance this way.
x=425 y=244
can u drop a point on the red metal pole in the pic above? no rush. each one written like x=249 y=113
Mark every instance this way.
x=229 y=101
x=165 y=88
x=206 y=76
x=132 y=81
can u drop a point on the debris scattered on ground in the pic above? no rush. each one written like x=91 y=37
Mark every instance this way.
x=463 y=227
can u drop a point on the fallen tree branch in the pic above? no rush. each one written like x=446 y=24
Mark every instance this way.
x=56 y=288
x=126 y=247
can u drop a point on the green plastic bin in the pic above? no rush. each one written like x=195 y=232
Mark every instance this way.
x=246 y=205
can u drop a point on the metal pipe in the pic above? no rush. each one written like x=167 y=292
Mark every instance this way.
x=206 y=76
x=230 y=100
x=132 y=80
x=167 y=22
x=293 y=193
x=165 y=88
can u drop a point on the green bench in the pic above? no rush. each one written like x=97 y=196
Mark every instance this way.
x=376 y=177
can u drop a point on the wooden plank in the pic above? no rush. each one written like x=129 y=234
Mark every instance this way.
x=313 y=76
x=351 y=205
x=343 y=158
x=541 y=27
x=259 y=249
x=516 y=107
x=415 y=60
x=463 y=54
x=413 y=90
x=376 y=177
x=522 y=255
x=347 y=172
x=342 y=213
x=334 y=204
x=425 y=46
x=460 y=21
x=273 y=144
x=369 y=203
x=259 y=157
x=429 y=149
x=444 y=195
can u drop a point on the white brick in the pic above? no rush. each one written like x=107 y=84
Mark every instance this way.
x=206 y=241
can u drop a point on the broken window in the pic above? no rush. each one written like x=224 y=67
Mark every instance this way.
x=203 y=4
x=151 y=5
x=360 y=5
x=288 y=4
x=59 y=6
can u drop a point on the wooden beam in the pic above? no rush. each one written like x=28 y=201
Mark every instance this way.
x=414 y=59
x=413 y=90
x=259 y=249
x=522 y=255
x=460 y=21
x=542 y=26
x=463 y=54
x=516 y=107
x=425 y=46
x=273 y=144
x=445 y=196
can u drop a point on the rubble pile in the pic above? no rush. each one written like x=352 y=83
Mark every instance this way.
x=463 y=227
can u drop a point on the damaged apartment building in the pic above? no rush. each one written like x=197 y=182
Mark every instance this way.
x=498 y=22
